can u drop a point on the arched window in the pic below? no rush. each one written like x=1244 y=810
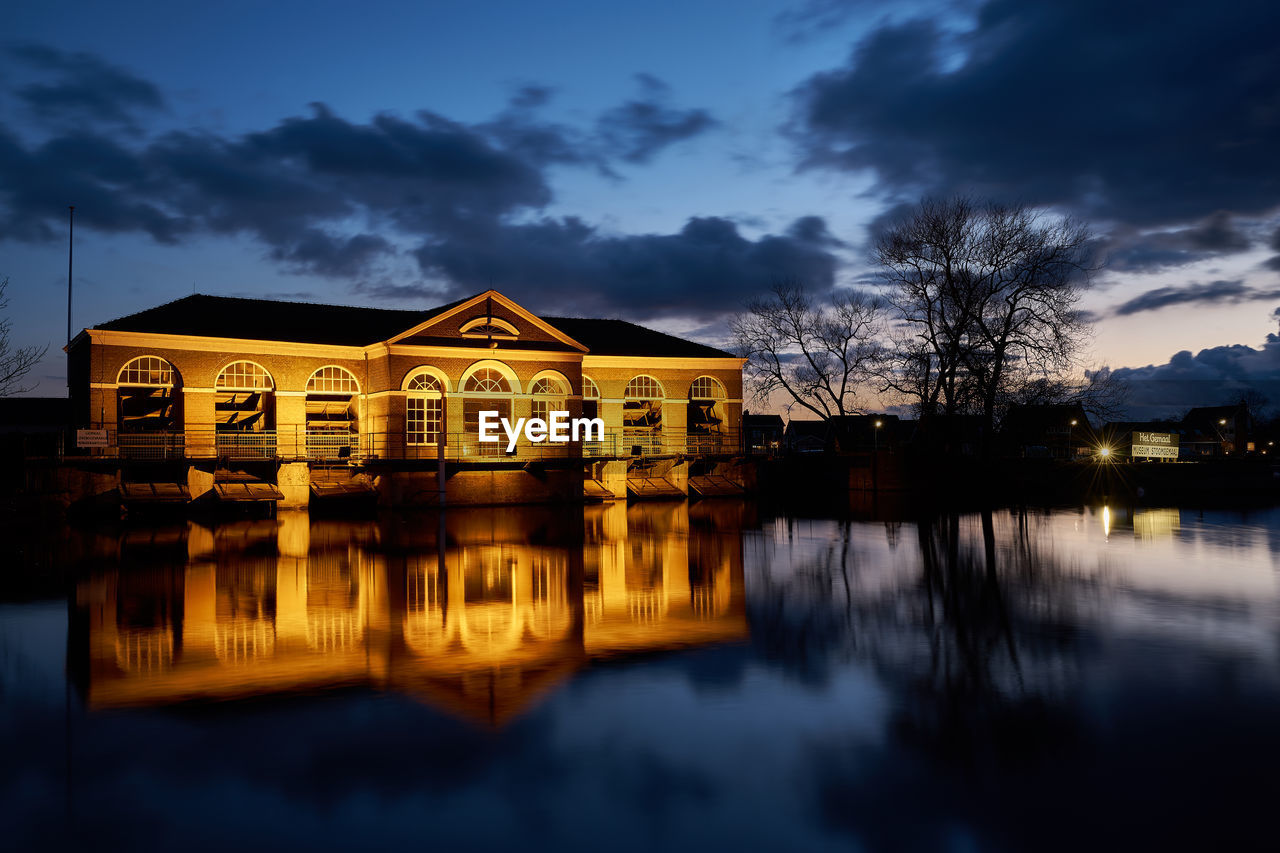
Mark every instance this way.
x=548 y=396
x=642 y=415
x=590 y=398
x=333 y=380
x=148 y=394
x=706 y=416
x=149 y=370
x=489 y=327
x=424 y=414
x=243 y=398
x=706 y=388
x=333 y=413
x=486 y=389
x=486 y=380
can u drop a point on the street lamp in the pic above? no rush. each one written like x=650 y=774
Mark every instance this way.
x=1070 y=426
x=876 y=435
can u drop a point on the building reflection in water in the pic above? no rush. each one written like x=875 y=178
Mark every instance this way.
x=478 y=612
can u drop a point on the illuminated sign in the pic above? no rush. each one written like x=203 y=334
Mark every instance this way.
x=1155 y=445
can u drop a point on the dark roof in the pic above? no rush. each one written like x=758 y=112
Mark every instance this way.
x=749 y=420
x=1201 y=412
x=1117 y=427
x=807 y=428
x=346 y=325
x=618 y=337
x=268 y=320
x=1035 y=419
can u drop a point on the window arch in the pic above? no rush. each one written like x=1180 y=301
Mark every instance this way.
x=644 y=388
x=426 y=383
x=704 y=421
x=487 y=386
x=706 y=388
x=488 y=327
x=148 y=395
x=149 y=370
x=424 y=408
x=332 y=379
x=244 y=376
x=548 y=393
x=243 y=398
x=642 y=415
x=590 y=398
x=332 y=419
x=486 y=380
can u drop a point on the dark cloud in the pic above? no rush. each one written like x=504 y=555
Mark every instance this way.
x=521 y=130
x=1144 y=112
x=386 y=289
x=293 y=186
x=328 y=196
x=83 y=86
x=1215 y=292
x=109 y=184
x=1274 y=261
x=1128 y=250
x=1210 y=377
x=637 y=130
x=813 y=231
x=327 y=254
x=567 y=265
x=1216 y=234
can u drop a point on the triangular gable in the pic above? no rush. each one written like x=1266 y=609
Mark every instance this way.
x=447 y=324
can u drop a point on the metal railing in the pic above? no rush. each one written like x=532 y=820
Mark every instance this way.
x=246 y=445
x=297 y=443
x=150 y=445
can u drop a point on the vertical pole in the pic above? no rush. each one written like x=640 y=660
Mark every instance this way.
x=71 y=230
x=440 y=463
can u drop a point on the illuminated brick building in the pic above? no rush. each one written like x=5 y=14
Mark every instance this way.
x=229 y=381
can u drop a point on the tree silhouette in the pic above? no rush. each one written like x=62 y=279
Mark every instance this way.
x=15 y=362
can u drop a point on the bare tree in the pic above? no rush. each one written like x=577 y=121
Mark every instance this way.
x=988 y=294
x=818 y=355
x=15 y=363
x=1100 y=393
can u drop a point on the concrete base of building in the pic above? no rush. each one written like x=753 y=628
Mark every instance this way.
x=293 y=479
x=98 y=486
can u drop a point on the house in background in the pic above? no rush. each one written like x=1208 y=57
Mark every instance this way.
x=867 y=433
x=805 y=436
x=1050 y=431
x=762 y=434
x=1219 y=430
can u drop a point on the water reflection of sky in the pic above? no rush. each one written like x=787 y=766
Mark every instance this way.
x=653 y=676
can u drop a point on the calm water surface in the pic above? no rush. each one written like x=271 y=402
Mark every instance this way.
x=660 y=676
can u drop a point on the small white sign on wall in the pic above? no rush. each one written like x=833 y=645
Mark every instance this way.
x=91 y=438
